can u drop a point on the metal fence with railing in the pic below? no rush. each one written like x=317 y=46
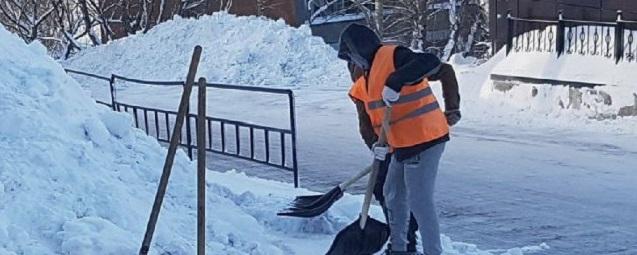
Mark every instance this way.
x=611 y=40
x=267 y=145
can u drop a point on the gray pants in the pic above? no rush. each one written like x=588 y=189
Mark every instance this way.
x=410 y=188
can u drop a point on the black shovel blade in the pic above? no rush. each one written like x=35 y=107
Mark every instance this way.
x=314 y=208
x=317 y=200
x=353 y=240
x=305 y=201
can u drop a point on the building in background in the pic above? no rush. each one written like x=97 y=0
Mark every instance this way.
x=327 y=18
x=438 y=24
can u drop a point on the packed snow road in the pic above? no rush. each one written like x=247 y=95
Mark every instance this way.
x=578 y=198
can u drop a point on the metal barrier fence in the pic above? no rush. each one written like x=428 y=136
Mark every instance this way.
x=612 y=40
x=261 y=144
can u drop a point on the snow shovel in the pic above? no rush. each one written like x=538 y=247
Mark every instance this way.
x=365 y=235
x=315 y=205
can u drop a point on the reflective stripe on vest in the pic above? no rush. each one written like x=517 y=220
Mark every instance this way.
x=403 y=99
x=416 y=116
x=420 y=111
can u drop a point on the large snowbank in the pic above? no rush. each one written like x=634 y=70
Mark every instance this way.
x=76 y=178
x=239 y=50
x=568 y=67
x=538 y=106
x=619 y=80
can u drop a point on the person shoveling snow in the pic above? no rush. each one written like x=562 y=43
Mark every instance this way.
x=388 y=75
x=418 y=137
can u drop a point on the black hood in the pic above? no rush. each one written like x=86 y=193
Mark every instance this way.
x=357 y=45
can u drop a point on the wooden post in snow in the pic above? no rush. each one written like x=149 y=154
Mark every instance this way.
x=201 y=168
x=182 y=112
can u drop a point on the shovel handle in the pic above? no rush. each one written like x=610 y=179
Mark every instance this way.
x=354 y=179
x=382 y=140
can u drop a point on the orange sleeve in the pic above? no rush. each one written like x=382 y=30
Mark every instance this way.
x=358 y=90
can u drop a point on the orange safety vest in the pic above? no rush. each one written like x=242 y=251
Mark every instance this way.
x=416 y=116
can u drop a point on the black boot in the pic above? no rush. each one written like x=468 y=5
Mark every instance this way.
x=411 y=234
x=390 y=252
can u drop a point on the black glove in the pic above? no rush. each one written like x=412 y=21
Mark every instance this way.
x=453 y=116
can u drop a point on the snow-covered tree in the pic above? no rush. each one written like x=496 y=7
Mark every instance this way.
x=401 y=21
x=63 y=26
x=406 y=21
x=372 y=11
x=327 y=9
x=468 y=26
x=29 y=19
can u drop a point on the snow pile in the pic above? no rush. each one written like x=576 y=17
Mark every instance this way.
x=620 y=90
x=568 y=67
x=237 y=50
x=517 y=109
x=76 y=178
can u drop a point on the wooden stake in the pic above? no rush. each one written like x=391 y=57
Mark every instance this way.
x=201 y=168
x=172 y=149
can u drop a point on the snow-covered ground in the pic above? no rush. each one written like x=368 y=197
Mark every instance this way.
x=517 y=172
x=76 y=178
